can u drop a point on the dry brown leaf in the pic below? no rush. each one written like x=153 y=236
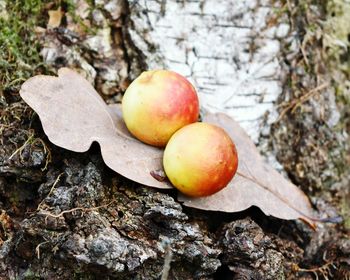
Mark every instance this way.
x=73 y=116
x=55 y=18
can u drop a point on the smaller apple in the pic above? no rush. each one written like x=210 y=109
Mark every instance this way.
x=200 y=159
x=158 y=103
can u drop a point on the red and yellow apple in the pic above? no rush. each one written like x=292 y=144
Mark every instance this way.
x=157 y=104
x=200 y=159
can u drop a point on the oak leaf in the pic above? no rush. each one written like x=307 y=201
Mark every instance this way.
x=73 y=116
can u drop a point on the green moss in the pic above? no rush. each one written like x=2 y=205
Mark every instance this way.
x=31 y=275
x=337 y=26
x=336 y=41
x=19 y=49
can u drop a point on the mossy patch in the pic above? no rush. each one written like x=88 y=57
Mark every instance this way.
x=337 y=29
x=336 y=41
x=19 y=47
x=313 y=141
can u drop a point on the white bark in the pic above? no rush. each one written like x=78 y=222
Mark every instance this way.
x=227 y=49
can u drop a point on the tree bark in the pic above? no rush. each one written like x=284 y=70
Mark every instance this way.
x=65 y=215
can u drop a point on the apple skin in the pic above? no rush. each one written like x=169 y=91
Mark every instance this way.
x=158 y=103
x=200 y=159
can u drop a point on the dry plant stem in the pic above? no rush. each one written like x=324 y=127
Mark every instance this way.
x=22 y=147
x=31 y=140
x=304 y=54
x=324 y=270
x=47 y=152
x=37 y=249
x=51 y=190
x=297 y=102
x=83 y=209
x=291 y=13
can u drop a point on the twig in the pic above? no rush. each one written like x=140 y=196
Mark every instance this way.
x=51 y=190
x=32 y=141
x=83 y=209
x=46 y=151
x=324 y=270
x=297 y=102
x=291 y=15
x=37 y=249
x=304 y=54
x=20 y=149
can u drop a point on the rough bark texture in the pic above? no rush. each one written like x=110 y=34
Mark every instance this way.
x=65 y=215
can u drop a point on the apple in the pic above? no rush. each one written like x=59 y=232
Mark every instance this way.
x=200 y=159
x=157 y=104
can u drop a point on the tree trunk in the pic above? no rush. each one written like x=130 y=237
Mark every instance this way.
x=65 y=215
